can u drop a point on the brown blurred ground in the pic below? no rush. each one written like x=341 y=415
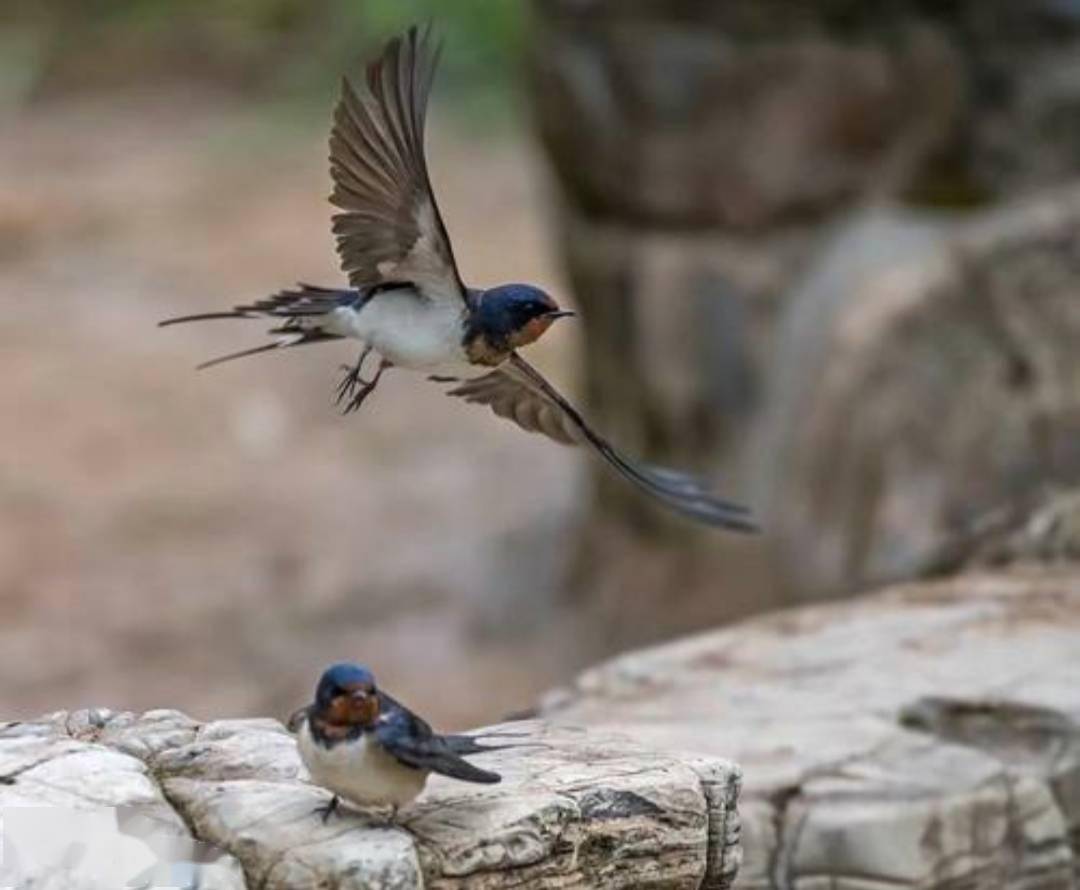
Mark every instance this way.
x=209 y=540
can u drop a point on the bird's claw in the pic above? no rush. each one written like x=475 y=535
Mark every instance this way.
x=350 y=382
x=354 y=387
x=326 y=810
x=358 y=397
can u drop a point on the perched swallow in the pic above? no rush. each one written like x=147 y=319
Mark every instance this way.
x=406 y=301
x=362 y=745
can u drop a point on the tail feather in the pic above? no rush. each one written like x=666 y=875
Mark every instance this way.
x=307 y=300
x=456 y=768
x=464 y=745
x=202 y=316
x=301 y=338
x=295 y=308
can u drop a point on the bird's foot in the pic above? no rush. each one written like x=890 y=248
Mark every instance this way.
x=327 y=809
x=359 y=396
x=352 y=380
x=349 y=382
x=361 y=389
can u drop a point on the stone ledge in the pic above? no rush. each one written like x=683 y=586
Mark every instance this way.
x=928 y=736
x=576 y=809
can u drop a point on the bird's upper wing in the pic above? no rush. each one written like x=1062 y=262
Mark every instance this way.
x=390 y=228
x=412 y=742
x=517 y=391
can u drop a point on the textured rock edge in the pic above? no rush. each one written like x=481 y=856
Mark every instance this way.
x=162 y=745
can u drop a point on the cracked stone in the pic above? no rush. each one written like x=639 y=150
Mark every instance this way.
x=926 y=736
x=575 y=809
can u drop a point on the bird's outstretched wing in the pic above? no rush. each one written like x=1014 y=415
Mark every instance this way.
x=413 y=742
x=517 y=391
x=390 y=228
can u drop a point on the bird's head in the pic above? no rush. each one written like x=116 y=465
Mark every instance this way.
x=516 y=314
x=346 y=696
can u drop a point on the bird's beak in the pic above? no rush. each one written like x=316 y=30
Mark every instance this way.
x=560 y=313
x=363 y=707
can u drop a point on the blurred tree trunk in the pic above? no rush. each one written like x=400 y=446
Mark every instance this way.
x=702 y=148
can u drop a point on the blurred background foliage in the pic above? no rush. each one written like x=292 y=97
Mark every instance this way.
x=296 y=46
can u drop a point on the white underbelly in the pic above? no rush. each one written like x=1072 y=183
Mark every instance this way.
x=360 y=771
x=405 y=329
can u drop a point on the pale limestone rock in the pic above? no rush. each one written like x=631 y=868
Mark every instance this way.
x=925 y=737
x=575 y=809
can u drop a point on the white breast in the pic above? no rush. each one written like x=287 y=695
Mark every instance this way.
x=405 y=328
x=360 y=771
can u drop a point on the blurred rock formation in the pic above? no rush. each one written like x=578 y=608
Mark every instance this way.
x=715 y=161
x=915 y=392
x=1047 y=531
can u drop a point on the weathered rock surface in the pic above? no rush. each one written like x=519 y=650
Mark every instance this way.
x=576 y=809
x=1046 y=531
x=925 y=737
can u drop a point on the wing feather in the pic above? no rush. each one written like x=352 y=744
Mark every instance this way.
x=390 y=227
x=518 y=392
x=411 y=741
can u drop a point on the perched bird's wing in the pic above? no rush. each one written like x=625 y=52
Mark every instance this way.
x=517 y=391
x=413 y=742
x=390 y=228
x=297 y=718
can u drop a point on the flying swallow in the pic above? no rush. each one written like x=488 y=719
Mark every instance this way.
x=362 y=745
x=407 y=303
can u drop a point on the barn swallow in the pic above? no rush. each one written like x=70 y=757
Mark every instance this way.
x=362 y=745
x=407 y=302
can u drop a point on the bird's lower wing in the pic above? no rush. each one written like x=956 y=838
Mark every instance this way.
x=446 y=763
x=517 y=391
x=417 y=746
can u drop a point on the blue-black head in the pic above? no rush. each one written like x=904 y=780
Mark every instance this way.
x=347 y=696
x=513 y=315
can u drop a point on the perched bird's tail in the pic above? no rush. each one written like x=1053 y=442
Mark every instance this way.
x=464 y=745
x=462 y=770
x=299 y=311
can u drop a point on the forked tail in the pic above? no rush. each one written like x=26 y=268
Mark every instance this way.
x=298 y=310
